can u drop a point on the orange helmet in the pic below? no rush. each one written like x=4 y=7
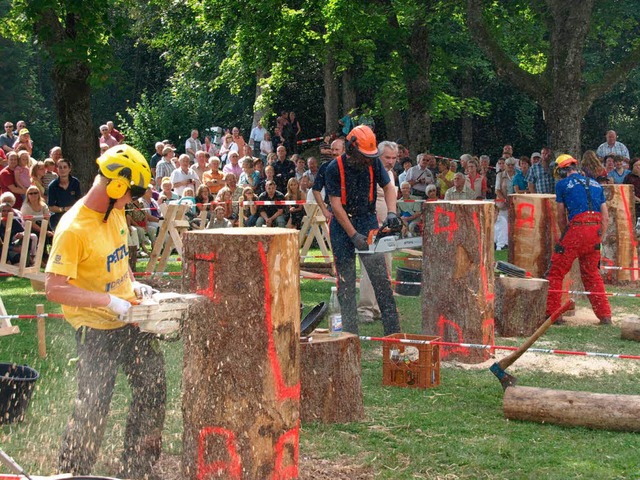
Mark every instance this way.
x=563 y=162
x=363 y=139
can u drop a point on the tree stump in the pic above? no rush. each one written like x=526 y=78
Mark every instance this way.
x=520 y=305
x=619 y=245
x=241 y=388
x=458 y=290
x=330 y=379
x=563 y=407
x=630 y=329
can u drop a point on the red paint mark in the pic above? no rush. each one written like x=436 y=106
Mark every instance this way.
x=632 y=235
x=488 y=333
x=555 y=235
x=290 y=471
x=283 y=391
x=524 y=215
x=209 y=291
x=233 y=467
x=451 y=225
x=447 y=350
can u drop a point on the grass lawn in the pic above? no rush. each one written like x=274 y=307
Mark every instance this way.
x=454 y=431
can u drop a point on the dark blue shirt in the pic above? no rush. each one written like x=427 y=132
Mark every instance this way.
x=572 y=192
x=60 y=197
x=358 y=185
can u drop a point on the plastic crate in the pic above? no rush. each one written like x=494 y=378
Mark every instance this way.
x=399 y=371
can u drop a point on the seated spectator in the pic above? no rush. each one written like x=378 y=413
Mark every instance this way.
x=249 y=212
x=137 y=221
x=460 y=190
x=258 y=166
x=312 y=169
x=476 y=181
x=167 y=194
x=236 y=194
x=224 y=199
x=24 y=142
x=228 y=146
x=444 y=178
x=201 y=164
x=634 y=179
x=151 y=209
x=183 y=177
x=218 y=220
x=271 y=215
x=63 y=192
x=269 y=175
x=213 y=178
x=301 y=166
x=16 y=236
x=203 y=204
x=295 y=213
x=10 y=198
x=36 y=172
x=432 y=193
x=409 y=210
x=609 y=164
x=266 y=147
x=34 y=206
x=406 y=165
x=592 y=167
x=50 y=173
x=619 y=173
x=249 y=177
x=305 y=185
x=232 y=165
x=272 y=158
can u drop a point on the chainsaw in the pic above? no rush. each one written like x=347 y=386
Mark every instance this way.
x=384 y=241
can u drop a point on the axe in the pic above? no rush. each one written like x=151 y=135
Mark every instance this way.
x=498 y=368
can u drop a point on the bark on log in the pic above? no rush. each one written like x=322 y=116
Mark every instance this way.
x=241 y=388
x=520 y=305
x=630 y=329
x=619 y=246
x=458 y=289
x=564 y=407
x=330 y=379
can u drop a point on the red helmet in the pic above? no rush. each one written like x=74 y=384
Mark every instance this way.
x=363 y=139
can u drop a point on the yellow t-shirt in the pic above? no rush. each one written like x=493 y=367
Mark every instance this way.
x=443 y=186
x=94 y=256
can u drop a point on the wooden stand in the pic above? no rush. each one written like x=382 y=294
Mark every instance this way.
x=457 y=272
x=520 y=305
x=330 y=379
x=5 y=323
x=241 y=388
x=630 y=329
x=314 y=226
x=21 y=269
x=169 y=237
x=563 y=407
x=619 y=246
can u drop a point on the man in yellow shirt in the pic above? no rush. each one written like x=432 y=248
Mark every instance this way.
x=88 y=273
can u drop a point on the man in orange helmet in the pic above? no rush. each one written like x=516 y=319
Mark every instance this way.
x=583 y=217
x=350 y=182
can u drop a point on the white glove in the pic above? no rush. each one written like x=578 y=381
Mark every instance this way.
x=118 y=306
x=142 y=290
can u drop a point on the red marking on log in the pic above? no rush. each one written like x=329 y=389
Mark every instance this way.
x=555 y=235
x=488 y=333
x=483 y=271
x=290 y=471
x=632 y=232
x=521 y=218
x=283 y=391
x=446 y=351
x=451 y=226
x=209 y=291
x=233 y=467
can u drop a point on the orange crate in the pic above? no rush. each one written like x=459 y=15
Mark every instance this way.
x=399 y=371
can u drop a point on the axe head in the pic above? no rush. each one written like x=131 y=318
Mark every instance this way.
x=506 y=380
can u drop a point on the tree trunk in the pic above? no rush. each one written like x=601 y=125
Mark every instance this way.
x=79 y=137
x=467 y=118
x=520 y=305
x=331 y=100
x=258 y=112
x=349 y=102
x=458 y=264
x=418 y=88
x=564 y=407
x=564 y=122
x=394 y=124
x=241 y=388
x=619 y=245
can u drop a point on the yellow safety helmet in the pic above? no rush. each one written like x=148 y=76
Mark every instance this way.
x=563 y=162
x=127 y=169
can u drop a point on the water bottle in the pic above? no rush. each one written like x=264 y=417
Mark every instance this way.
x=335 y=316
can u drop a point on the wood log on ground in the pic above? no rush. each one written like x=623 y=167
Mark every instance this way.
x=619 y=245
x=630 y=329
x=520 y=305
x=457 y=269
x=241 y=388
x=330 y=379
x=564 y=407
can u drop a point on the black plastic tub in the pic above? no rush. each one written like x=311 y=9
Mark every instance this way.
x=410 y=275
x=16 y=386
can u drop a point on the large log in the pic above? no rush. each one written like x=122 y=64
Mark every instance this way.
x=520 y=305
x=619 y=245
x=630 y=329
x=563 y=407
x=330 y=379
x=458 y=291
x=241 y=388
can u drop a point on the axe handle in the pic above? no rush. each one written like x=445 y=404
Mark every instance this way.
x=510 y=359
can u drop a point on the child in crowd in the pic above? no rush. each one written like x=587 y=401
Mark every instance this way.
x=22 y=172
x=224 y=199
x=250 y=212
x=50 y=173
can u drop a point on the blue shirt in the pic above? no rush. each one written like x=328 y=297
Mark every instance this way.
x=618 y=178
x=358 y=185
x=541 y=177
x=572 y=192
x=519 y=181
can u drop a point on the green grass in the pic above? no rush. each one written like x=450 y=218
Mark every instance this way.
x=455 y=431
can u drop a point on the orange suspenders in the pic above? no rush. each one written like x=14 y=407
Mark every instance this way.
x=343 y=185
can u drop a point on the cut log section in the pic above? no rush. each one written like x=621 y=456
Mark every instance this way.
x=241 y=387
x=330 y=379
x=457 y=272
x=619 y=245
x=520 y=305
x=630 y=329
x=563 y=407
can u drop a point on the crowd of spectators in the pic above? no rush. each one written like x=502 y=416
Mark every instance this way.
x=221 y=177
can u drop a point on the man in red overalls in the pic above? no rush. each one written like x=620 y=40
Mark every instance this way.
x=581 y=203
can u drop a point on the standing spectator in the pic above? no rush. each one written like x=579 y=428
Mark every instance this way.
x=63 y=193
x=619 y=173
x=540 y=178
x=612 y=146
x=406 y=166
x=106 y=138
x=277 y=139
x=115 y=133
x=420 y=176
x=256 y=137
x=325 y=148
x=183 y=177
x=156 y=157
x=24 y=141
x=238 y=140
x=464 y=159
x=284 y=169
x=153 y=215
x=312 y=164
x=535 y=158
x=271 y=215
x=213 y=178
x=301 y=166
x=444 y=177
x=36 y=172
x=7 y=139
x=227 y=146
x=592 y=167
x=633 y=178
x=8 y=181
x=266 y=147
x=291 y=133
x=504 y=188
x=192 y=145
x=490 y=174
x=165 y=166
x=520 y=179
x=210 y=147
x=200 y=166
x=282 y=121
